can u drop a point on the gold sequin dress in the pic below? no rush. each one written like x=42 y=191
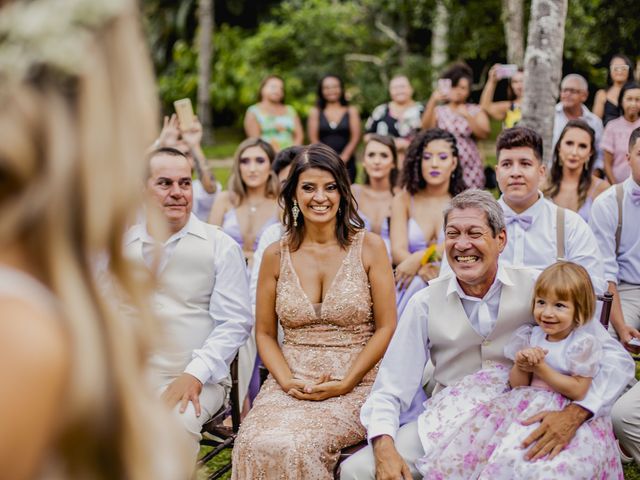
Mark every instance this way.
x=286 y=438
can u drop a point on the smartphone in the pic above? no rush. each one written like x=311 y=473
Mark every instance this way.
x=444 y=86
x=635 y=342
x=506 y=71
x=184 y=109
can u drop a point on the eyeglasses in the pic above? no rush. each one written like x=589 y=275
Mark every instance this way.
x=572 y=91
x=619 y=68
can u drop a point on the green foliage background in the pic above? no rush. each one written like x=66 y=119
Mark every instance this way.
x=302 y=40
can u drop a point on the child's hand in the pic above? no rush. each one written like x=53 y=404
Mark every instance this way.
x=529 y=358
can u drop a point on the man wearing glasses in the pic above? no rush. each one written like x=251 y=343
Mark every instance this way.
x=574 y=91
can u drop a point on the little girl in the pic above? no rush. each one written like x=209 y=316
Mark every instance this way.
x=473 y=430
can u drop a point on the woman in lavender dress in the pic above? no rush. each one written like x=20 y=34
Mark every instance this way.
x=380 y=162
x=431 y=177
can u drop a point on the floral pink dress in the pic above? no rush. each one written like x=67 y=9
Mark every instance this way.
x=470 y=160
x=472 y=429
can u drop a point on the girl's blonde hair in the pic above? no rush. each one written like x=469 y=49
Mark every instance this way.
x=568 y=281
x=74 y=126
x=237 y=186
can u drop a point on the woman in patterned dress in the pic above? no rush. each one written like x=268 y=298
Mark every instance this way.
x=329 y=284
x=467 y=121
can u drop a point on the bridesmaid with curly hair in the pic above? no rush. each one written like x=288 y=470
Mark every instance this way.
x=432 y=175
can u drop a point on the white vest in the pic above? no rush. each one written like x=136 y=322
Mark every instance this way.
x=456 y=348
x=181 y=300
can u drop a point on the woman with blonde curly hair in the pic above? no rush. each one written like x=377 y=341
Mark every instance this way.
x=76 y=113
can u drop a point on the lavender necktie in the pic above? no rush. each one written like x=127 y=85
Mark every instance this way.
x=524 y=221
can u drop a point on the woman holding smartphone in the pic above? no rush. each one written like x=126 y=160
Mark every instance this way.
x=450 y=111
x=507 y=111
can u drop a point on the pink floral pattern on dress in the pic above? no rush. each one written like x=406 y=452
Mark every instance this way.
x=472 y=429
x=468 y=153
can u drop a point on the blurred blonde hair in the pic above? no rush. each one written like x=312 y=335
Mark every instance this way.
x=237 y=186
x=72 y=142
x=568 y=281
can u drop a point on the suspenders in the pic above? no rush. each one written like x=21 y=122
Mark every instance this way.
x=619 y=196
x=560 y=224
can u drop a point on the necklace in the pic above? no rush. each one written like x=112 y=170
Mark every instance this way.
x=253 y=207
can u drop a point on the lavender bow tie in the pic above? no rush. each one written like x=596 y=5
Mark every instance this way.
x=525 y=221
x=635 y=196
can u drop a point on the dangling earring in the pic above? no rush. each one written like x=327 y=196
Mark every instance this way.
x=295 y=211
x=586 y=166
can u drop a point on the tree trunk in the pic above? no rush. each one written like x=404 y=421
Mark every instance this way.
x=513 y=20
x=543 y=68
x=205 y=35
x=439 y=39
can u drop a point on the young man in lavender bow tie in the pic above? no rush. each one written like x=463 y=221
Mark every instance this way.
x=539 y=232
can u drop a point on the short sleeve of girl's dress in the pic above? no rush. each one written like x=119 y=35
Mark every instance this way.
x=519 y=340
x=584 y=354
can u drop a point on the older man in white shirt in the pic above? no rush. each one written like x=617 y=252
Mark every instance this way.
x=202 y=299
x=574 y=91
x=619 y=240
x=462 y=323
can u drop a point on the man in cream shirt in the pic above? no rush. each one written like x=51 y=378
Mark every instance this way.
x=202 y=299
x=483 y=304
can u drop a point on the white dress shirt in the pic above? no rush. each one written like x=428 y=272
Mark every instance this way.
x=604 y=222
x=537 y=246
x=272 y=234
x=400 y=374
x=229 y=306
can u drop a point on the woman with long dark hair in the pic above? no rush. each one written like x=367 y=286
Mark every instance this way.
x=334 y=122
x=328 y=283
x=571 y=183
x=380 y=162
x=431 y=177
x=615 y=139
x=605 y=103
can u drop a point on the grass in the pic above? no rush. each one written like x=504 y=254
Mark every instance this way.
x=226 y=140
x=219 y=460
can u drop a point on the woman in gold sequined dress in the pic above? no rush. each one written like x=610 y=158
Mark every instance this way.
x=329 y=283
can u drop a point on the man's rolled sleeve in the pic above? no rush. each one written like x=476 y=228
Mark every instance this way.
x=400 y=373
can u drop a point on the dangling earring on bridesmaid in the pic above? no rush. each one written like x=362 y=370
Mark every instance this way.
x=295 y=211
